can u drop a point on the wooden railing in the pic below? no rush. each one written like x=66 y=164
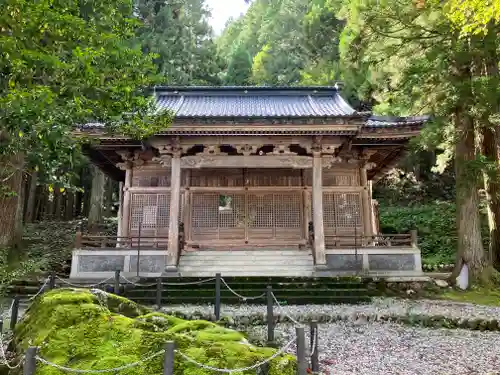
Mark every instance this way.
x=113 y=242
x=85 y=241
x=378 y=240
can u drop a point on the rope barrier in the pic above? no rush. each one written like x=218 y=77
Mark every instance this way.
x=230 y=371
x=79 y=371
x=8 y=313
x=190 y=282
x=3 y=356
x=41 y=290
x=136 y=284
x=244 y=298
x=284 y=312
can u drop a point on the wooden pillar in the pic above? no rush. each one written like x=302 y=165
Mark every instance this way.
x=125 y=222
x=366 y=203
x=317 y=196
x=175 y=203
x=120 y=210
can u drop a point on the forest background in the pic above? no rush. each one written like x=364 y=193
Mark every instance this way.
x=90 y=61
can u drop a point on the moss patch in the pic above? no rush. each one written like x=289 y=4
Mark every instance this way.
x=94 y=330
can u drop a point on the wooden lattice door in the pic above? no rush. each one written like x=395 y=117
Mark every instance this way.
x=246 y=217
x=150 y=212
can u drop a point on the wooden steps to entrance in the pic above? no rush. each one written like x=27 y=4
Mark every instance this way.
x=247 y=263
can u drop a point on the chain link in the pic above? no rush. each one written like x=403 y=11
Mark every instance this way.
x=284 y=312
x=230 y=371
x=84 y=286
x=79 y=371
x=244 y=298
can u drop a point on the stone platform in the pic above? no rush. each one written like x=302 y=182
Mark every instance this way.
x=370 y=262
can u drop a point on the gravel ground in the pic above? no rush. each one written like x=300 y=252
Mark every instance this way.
x=387 y=349
x=372 y=348
x=379 y=306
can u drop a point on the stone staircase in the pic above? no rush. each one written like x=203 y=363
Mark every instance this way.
x=247 y=263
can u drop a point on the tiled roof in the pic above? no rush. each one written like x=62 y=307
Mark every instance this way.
x=390 y=121
x=247 y=102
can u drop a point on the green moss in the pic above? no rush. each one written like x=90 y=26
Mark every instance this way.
x=79 y=329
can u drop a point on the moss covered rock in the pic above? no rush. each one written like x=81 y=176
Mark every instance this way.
x=94 y=330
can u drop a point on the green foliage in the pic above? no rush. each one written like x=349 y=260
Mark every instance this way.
x=179 y=34
x=435 y=224
x=473 y=16
x=239 y=71
x=94 y=330
x=65 y=64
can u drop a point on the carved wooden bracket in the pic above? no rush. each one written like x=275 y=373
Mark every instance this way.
x=131 y=159
x=164 y=160
x=213 y=150
x=329 y=160
x=282 y=150
x=247 y=149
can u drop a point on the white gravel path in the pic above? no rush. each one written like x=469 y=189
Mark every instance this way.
x=391 y=349
x=379 y=306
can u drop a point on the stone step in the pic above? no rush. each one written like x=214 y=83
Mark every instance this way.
x=246 y=262
x=246 y=253
x=287 y=263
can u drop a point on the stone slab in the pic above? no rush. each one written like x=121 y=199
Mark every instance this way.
x=101 y=263
x=391 y=262
x=148 y=263
x=344 y=262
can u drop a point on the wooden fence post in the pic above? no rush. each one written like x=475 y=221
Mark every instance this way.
x=414 y=238
x=52 y=280
x=78 y=240
x=29 y=366
x=168 y=360
x=14 y=313
x=217 y=296
x=117 y=282
x=158 y=292
x=301 y=351
x=314 y=347
x=270 y=315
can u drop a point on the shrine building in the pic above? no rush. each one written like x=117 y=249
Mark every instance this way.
x=251 y=181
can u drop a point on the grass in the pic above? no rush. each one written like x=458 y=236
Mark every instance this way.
x=478 y=296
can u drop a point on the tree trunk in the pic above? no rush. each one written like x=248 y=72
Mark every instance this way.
x=31 y=202
x=109 y=196
x=11 y=200
x=96 y=199
x=58 y=197
x=70 y=205
x=492 y=189
x=470 y=245
x=491 y=150
x=49 y=207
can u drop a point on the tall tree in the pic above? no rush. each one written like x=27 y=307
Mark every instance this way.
x=179 y=33
x=64 y=64
x=412 y=60
x=239 y=71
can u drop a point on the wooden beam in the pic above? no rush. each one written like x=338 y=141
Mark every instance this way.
x=265 y=161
